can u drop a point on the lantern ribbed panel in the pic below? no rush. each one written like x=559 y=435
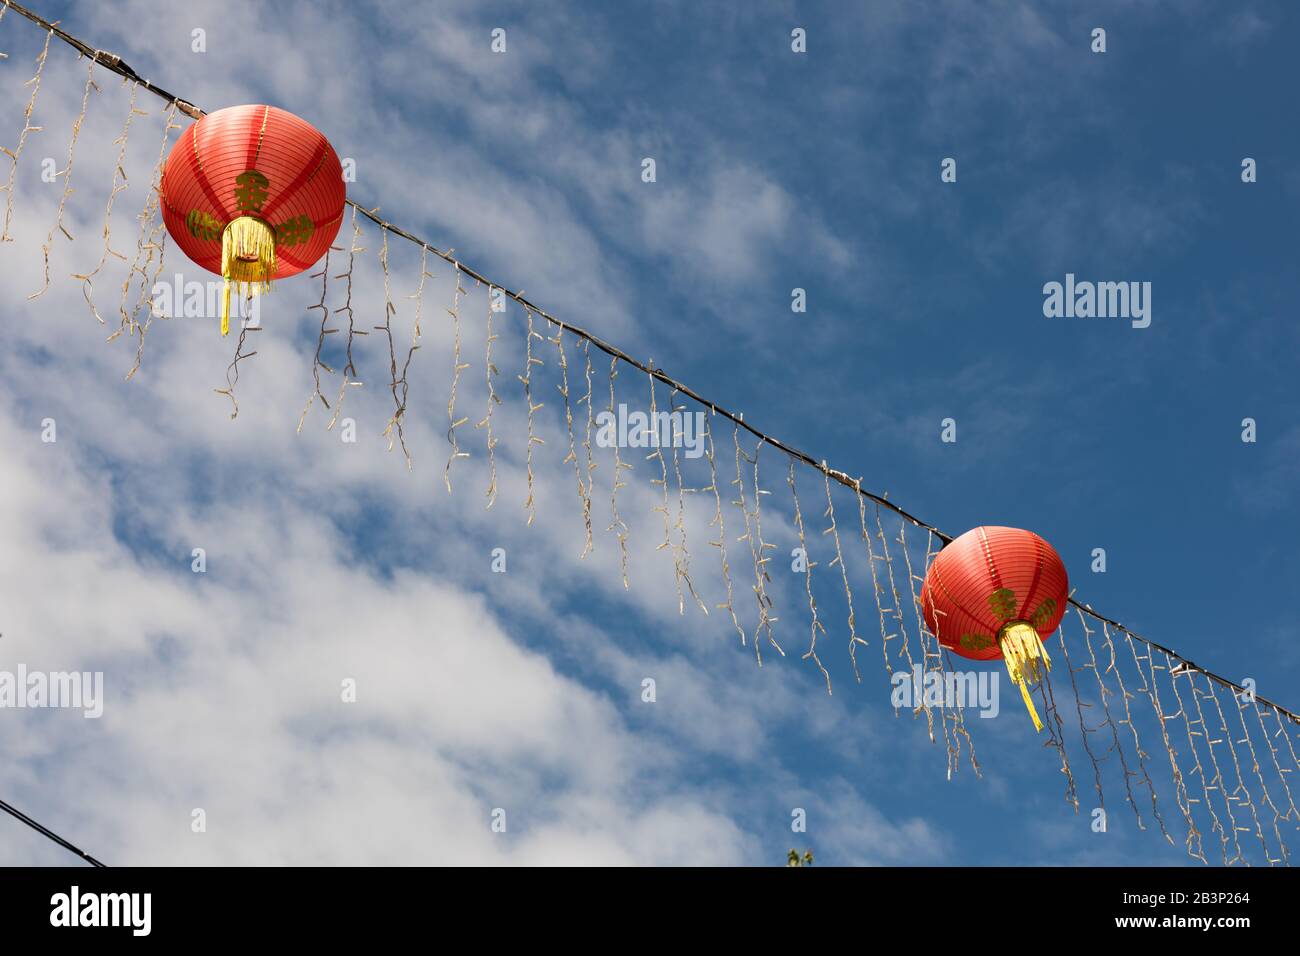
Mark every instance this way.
x=966 y=573
x=304 y=178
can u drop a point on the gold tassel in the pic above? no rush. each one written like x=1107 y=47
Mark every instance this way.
x=1022 y=650
x=248 y=258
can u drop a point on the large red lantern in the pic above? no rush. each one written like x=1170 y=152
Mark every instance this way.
x=997 y=592
x=252 y=193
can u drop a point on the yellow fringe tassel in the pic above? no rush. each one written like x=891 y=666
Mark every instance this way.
x=248 y=258
x=1023 y=650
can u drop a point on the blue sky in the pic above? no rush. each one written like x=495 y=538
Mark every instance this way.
x=775 y=170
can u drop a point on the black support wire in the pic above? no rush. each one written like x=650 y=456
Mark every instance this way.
x=115 y=64
x=46 y=832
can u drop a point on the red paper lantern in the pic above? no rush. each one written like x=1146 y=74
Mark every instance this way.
x=997 y=592
x=252 y=193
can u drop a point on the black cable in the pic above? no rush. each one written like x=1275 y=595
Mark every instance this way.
x=46 y=831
